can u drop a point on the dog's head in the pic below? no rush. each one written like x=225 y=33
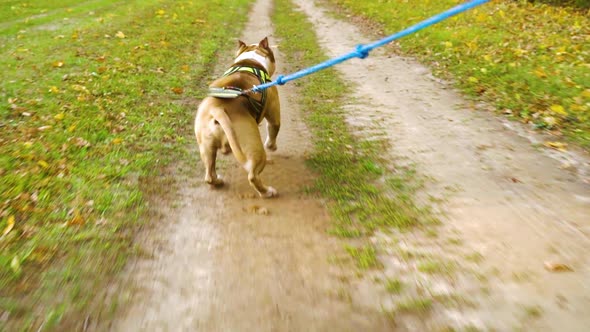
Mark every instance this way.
x=260 y=53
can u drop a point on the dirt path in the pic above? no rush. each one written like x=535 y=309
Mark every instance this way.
x=514 y=205
x=223 y=267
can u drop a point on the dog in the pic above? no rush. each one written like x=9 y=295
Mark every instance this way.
x=231 y=124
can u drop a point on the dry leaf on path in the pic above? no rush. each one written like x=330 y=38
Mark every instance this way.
x=257 y=209
x=557 y=267
x=556 y=145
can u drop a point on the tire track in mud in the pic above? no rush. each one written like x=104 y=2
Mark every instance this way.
x=509 y=204
x=219 y=266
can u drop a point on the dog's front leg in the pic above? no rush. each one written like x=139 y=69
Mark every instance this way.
x=271 y=138
x=273 y=122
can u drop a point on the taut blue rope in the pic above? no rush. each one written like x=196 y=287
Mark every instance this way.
x=362 y=51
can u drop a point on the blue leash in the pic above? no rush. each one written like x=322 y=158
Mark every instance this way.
x=362 y=51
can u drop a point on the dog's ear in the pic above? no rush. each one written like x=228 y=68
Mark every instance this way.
x=241 y=47
x=264 y=43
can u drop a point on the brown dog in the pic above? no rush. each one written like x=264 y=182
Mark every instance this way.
x=224 y=123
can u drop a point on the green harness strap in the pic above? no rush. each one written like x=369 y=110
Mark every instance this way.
x=261 y=74
x=233 y=92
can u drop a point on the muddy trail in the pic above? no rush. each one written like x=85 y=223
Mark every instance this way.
x=511 y=214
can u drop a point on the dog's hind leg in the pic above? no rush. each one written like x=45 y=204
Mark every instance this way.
x=248 y=150
x=208 y=156
x=254 y=168
x=225 y=147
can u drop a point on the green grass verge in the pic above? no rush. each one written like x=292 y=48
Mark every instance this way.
x=394 y=286
x=581 y=4
x=13 y=10
x=93 y=104
x=349 y=166
x=530 y=60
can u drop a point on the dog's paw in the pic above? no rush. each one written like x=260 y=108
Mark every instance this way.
x=270 y=146
x=270 y=193
x=218 y=182
x=225 y=149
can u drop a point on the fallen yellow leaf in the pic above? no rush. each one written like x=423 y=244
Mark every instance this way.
x=58 y=64
x=9 y=225
x=117 y=141
x=177 y=90
x=59 y=116
x=540 y=73
x=120 y=34
x=481 y=17
x=77 y=219
x=43 y=164
x=558 y=109
x=15 y=265
x=556 y=145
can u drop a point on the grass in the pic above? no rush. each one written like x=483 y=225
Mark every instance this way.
x=454 y=301
x=93 y=105
x=581 y=4
x=30 y=11
x=474 y=257
x=365 y=257
x=349 y=166
x=435 y=266
x=529 y=60
x=534 y=311
x=394 y=286
x=415 y=306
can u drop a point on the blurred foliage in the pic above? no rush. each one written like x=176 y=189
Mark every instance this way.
x=583 y=4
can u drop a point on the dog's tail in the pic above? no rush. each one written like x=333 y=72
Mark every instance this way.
x=221 y=116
